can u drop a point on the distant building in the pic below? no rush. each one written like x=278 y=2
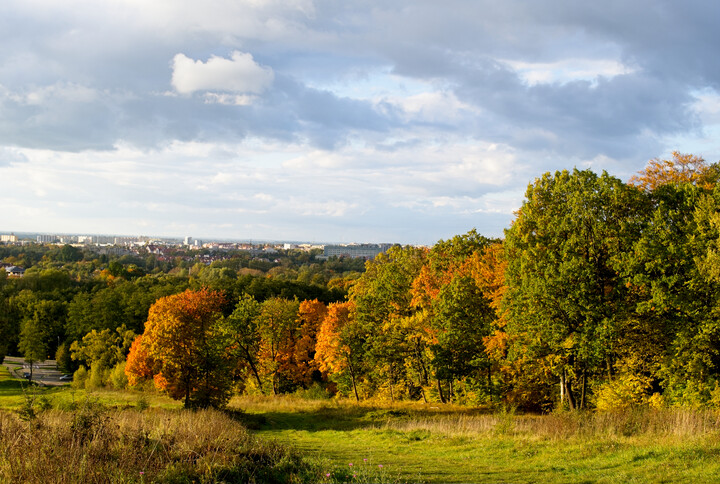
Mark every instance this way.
x=8 y=239
x=188 y=240
x=47 y=239
x=15 y=271
x=103 y=240
x=364 y=251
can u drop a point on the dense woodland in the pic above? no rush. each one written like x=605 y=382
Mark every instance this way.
x=602 y=294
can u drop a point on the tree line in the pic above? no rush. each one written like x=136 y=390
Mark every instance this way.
x=602 y=294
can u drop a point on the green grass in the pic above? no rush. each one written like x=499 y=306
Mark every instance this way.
x=433 y=444
x=417 y=444
x=13 y=392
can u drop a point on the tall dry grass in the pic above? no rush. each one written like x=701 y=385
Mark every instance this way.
x=95 y=445
x=638 y=422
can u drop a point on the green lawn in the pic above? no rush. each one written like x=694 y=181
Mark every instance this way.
x=436 y=452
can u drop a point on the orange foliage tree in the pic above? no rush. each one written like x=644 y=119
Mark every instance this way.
x=277 y=327
x=310 y=316
x=188 y=351
x=682 y=168
x=339 y=348
x=139 y=365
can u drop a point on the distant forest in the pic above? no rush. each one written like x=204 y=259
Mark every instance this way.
x=602 y=294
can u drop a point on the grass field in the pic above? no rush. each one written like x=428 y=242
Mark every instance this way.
x=415 y=443
x=342 y=441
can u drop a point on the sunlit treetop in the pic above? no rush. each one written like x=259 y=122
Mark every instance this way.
x=682 y=168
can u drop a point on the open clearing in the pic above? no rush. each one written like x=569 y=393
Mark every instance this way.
x=422 y=443
x=416 y=443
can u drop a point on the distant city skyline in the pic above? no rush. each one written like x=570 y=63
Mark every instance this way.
x=180 y=240
x=404 y=121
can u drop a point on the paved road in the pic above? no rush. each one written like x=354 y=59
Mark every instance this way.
x=44 y=372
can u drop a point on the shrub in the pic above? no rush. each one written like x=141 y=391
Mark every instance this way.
x=627 y=390
x=118 y=379
x=97 y=377
x=79 y=378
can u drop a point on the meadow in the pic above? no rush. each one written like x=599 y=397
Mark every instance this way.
x=64 y=435
x=434 y=444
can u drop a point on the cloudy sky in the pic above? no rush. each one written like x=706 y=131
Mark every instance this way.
x=338 y=121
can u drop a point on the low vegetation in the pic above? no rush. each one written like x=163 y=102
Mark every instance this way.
x=96 y=444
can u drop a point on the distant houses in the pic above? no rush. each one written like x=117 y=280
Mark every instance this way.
x=364 y=251
x=14 y=271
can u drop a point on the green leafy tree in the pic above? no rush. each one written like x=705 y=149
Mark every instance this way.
x=565 y=295
x=32 y=343
x=395 y=338
x=242 y=333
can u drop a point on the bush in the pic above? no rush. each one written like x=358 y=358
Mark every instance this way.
x=79 y=378
x=98 y=376
x=118 y=379
x=315 y=392
x=627 y=390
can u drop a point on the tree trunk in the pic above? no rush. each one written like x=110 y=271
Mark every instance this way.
x=352 y=378
x=569 y=393
x=392 y=393
x=584 y=389
x=254 y=369
x=440 y=391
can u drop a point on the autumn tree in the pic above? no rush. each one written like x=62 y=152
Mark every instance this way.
x=339 y=347
x=277 y=326
x=139 y=365
x=183 y=337
x=310 y=316
x=682 y=168
x=454 y=314
x=395 y=348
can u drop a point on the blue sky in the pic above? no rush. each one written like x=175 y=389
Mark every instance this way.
x=403 y=121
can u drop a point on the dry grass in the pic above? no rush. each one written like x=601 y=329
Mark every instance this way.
x=651 y=423
x=93 y=445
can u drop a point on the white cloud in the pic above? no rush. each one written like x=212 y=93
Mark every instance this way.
x=567 y=70
x=239 y=74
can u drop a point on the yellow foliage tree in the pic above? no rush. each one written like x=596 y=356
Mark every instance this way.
x=682 y=168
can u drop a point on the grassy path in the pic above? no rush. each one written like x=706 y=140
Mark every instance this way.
x=431 y=453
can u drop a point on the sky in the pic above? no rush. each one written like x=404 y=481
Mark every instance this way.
x=336 y=121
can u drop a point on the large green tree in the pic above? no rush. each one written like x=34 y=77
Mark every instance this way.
x=565 y=296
